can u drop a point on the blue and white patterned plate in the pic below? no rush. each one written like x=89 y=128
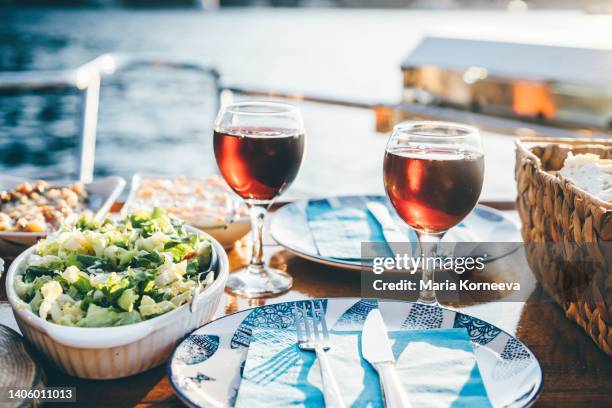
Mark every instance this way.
x=289 y=227
x=205 y=369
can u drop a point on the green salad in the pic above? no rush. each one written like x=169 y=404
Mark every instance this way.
x=111 y=273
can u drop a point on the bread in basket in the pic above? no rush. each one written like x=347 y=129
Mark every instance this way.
x=559 y=220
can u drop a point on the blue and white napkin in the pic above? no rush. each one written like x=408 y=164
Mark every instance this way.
x=437 y=368
x=339 y=226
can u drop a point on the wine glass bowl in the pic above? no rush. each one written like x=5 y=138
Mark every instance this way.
x=259 y=148
x=433 y=175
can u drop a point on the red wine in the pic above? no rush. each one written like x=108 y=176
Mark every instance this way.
x=258 y=163
x=435 y=188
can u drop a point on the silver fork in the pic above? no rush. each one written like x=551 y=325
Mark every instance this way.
x=313 y=335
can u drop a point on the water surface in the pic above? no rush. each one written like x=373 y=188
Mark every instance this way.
x=160 y=121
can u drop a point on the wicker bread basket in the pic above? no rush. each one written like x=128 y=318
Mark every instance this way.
x=554 y=210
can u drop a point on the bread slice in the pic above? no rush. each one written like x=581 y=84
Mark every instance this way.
x=591 y=173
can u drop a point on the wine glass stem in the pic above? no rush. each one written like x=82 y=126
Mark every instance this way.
x=429 y=249
x=258 y=216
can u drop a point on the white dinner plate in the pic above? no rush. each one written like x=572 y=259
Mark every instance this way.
x=205 y=369
x=289 y=227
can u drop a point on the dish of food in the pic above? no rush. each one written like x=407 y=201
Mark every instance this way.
x=206 y=203
x=100 y=195
x=116 y=351
x=40 y=206
x=113 y=273
x=202 y=202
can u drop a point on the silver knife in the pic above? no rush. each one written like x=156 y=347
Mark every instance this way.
x=376 y=349
x=398 y=242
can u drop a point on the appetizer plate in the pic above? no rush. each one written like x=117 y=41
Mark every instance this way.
x=289 y=227
x=102 y=194
x=205 y=369
x=226 y=232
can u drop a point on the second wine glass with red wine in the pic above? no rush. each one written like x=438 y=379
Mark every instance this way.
x=259 y=148
x=433 y=174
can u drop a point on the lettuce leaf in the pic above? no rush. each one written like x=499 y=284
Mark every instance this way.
x=88 y=262
x=127 y=299
x=128 y=318
x=99 y=317
x=149 y=260
x=49 y=269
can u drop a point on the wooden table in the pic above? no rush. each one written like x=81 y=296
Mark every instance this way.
x=576 y=372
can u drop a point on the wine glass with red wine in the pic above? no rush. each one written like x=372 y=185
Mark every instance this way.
x=433 y=173
x=259 y=147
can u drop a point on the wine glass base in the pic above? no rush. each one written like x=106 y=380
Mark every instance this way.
x=429 y=302
x=264 y=282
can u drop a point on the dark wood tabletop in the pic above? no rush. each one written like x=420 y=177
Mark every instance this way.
x=576 y=372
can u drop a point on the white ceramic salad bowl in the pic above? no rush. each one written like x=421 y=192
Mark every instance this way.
x=114 y=352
